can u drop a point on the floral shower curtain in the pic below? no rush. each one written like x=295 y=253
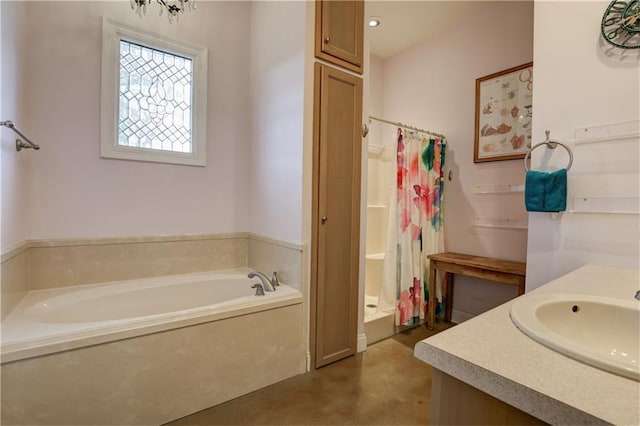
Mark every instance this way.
x=420 y=190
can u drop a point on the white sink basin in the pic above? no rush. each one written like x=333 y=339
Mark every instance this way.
x=597 y=331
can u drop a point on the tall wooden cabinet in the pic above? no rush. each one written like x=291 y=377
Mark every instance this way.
x=336 y=207
x=340 y=33
x=337 y=148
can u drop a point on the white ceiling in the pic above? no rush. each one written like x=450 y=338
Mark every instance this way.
x=405 y=23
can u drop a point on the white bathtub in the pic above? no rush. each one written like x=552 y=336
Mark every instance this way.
x=146 y=351
x=49 y=321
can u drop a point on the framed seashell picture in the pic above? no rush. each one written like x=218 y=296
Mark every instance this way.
x=503 y=114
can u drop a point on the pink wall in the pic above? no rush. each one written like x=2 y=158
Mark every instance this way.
x=253 y=178
x=73 y=192
x=432 y=86
x=277 y=81
x=15 y=165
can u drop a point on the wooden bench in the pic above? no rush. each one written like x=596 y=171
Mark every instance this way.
x=486 y=268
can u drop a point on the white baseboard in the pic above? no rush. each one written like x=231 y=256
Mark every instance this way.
x=308 y=361
x=362 y=342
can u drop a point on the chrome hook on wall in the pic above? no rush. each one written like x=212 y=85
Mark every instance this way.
x=551 y=145
x=19 y=143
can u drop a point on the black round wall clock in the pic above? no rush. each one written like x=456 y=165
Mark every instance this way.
x=621 y=24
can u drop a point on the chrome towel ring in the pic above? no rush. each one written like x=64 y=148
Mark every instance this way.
x=552 y=145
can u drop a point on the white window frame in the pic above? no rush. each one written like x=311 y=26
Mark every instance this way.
x=112 y=33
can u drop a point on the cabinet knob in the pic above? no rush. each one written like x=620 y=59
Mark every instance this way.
x=323 y=219
x=327 y=39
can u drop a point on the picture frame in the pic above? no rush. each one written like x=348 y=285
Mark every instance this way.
x=503 y=114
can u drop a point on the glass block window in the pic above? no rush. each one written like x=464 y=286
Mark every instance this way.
x=155 y=99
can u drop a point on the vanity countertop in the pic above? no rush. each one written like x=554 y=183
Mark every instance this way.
x=491 y=354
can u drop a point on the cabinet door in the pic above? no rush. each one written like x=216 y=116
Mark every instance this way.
x=340 y=32
x=336 y=213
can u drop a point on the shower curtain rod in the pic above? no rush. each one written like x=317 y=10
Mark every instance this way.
x=405 y=126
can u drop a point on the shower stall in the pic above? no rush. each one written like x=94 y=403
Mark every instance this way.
x=379 y=320
x=404 y=225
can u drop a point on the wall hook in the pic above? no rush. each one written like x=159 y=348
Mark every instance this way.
x=550 y=144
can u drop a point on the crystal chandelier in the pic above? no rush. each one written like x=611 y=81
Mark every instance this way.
x=173 y=7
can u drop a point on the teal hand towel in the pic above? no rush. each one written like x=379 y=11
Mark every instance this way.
x=546 y=192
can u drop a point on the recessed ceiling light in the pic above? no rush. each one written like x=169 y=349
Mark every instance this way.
x=374 y=21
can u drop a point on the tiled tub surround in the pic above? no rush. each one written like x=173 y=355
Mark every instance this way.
x=49 y=321
x=46 y=264
x=57 y=263
x=148 y=369
x=154 y=372
x=14 y=278
x=267 y=255
x=492 y=355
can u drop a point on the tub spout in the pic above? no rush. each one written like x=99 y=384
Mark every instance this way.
x=266 y=282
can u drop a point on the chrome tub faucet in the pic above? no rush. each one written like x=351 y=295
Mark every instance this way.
x=267 y=284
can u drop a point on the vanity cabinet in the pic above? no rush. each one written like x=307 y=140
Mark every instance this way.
x=340 y=33
x=456 y=403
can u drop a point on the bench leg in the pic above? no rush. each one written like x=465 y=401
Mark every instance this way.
x=432 y=295
x=521 y=286
x=448 y=279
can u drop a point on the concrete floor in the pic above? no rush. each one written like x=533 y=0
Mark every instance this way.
x=385 y=385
